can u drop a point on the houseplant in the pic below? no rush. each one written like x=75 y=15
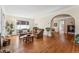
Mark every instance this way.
x=77 y=38
x=48 y=30
x=9 y=28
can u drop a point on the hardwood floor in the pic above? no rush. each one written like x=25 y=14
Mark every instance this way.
x=56 y=44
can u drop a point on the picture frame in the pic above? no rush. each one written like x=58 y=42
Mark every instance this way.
x=55 y=24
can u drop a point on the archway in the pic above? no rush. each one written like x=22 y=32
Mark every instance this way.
x=63 y=23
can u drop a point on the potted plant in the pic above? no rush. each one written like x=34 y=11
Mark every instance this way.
x=48 y=30
x=9 y=28
x=77 y=38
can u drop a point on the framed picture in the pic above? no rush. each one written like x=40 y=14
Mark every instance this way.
x=55 y=24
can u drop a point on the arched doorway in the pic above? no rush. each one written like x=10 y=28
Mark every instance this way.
x=64 y=24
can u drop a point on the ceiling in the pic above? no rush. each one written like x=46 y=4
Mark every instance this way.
x=31 y=10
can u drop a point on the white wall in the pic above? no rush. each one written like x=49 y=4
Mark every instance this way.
x=43 y=23
x=73 y=11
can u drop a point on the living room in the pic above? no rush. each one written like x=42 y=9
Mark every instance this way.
x=35 y=28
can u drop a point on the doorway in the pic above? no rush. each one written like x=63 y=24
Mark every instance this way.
x=61 y=26
x=65 y=26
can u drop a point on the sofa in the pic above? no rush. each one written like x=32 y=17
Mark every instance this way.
x=38 y=33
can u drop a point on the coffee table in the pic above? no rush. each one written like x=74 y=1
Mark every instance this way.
x=29 y=38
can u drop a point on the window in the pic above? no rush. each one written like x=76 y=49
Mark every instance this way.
x=23 y=25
